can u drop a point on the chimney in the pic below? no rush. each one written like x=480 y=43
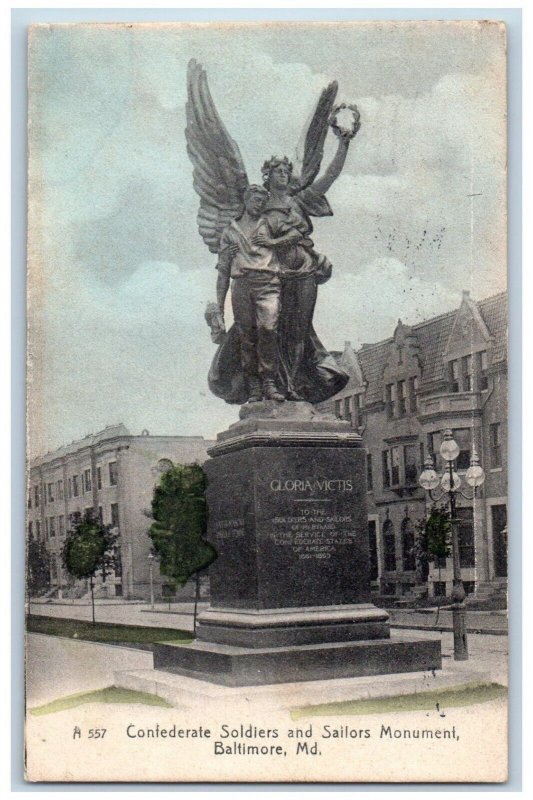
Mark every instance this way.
x=347 y=345
x=466 y=294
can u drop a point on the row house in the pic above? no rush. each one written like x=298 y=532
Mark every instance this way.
x=113 y=473
x=446 y=372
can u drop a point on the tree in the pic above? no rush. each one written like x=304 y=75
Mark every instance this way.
x=37 y=567
x=179 y=510
x=89 y=548
x=433 y=540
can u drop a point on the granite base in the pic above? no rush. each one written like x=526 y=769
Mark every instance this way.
x=229 y=665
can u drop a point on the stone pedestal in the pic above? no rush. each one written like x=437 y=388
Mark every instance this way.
x=290 y=589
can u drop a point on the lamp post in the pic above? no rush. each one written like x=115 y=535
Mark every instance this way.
x=151 y=565
x=450 y=483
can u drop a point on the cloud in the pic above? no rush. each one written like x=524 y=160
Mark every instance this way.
x=347 y=303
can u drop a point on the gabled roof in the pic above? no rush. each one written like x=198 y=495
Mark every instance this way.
x=432 y=337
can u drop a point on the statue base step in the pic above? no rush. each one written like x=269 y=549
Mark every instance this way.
x=283 y=627
x=229 y=665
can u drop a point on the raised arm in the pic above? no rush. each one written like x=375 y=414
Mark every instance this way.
x=332 y=172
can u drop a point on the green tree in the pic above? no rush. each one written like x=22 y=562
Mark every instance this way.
x=433 y=540
x=179 y=510
x=89 y=548
x=37 y=567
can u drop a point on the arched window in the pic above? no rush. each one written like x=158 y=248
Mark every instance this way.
x=389 y=546
x=408 y=545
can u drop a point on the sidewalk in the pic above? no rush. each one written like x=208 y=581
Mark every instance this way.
x=488 y=622
x=181 y=614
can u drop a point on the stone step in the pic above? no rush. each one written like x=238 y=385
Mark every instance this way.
x=191 y=693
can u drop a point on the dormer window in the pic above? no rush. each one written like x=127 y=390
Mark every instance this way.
x=402 y=405
x=390 y=399
x=454 y=375
x=466 y=364
x=413 y=395
x=482 y=367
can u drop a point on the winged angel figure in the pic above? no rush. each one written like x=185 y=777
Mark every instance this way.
x=262 y=235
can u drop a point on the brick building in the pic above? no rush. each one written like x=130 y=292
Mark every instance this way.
x=446 y=372
x=114 y=473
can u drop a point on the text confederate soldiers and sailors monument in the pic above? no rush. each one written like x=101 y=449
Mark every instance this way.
x=290 y=588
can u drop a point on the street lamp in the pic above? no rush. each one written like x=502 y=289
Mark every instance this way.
x=450 y=483
x=151 y=565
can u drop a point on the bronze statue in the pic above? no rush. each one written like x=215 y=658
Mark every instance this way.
x=262 y=236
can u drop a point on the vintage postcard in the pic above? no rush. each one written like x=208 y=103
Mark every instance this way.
x=267 y=403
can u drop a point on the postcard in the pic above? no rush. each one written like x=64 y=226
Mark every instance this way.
x=266 y=534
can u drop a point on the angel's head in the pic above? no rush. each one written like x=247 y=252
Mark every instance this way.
x=255 y=198
x=277 y=173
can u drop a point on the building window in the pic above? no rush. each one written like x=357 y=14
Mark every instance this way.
x=52 y=528
x=402 y=400
x=69 y=485
x=469 y=587
x=75 y=487
x=439 y=589
x=114 y=515
x=385 y=457
x=434 y=442
x=358 y=410
x=36 y=496
x=118 y=562
x=46 y=528
x=338 y=409
x=373 y=550
x=495 y=445
x=413 y=395
x=50 y=492
x=499 y=539
x=482 y=367
x=408 y=546
x=100 y=515
x=87 y=480
x=61 y=524
x=347 y=413
x=30 y=529
x=389 y=546
x=463 y=437
x=369 y=475
x=390 y=398
x=59 y=487
x=38 y=529
x=454 y=376
x=466 y=365
x=29 y=499
x=113 y=473
x=99 y=477
x=395 y=466
x=410 y=452
x=465 y=534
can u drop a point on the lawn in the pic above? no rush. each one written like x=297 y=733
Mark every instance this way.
x=108 y=633
x=440 y=699
x=111 y=694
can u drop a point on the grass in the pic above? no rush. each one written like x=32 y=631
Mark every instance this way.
x=445 y=698
x=107 y=633
x=111 y=694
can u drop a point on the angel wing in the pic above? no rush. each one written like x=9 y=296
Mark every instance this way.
x=219 y=174
x=316 y=135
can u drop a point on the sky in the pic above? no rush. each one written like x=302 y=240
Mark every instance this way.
x=118 y=275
